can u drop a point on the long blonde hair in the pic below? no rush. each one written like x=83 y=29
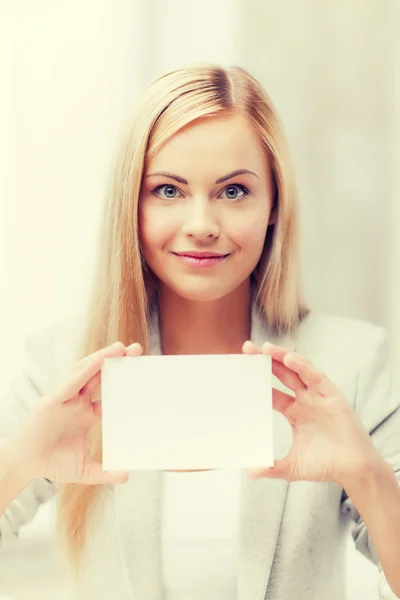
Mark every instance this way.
x=118 y=307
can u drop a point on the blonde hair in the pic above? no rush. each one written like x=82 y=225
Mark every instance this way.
x=118 y=307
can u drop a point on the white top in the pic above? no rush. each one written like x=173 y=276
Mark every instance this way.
x=199 y=534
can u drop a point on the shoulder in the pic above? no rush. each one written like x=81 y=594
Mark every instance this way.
x=326 y=330
x=56 y=344
x=344 y=348
x=64 y=330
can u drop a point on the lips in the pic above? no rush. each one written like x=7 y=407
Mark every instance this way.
x=200 y=259
x=193 y=254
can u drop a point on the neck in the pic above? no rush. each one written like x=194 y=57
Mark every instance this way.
x=193 y=327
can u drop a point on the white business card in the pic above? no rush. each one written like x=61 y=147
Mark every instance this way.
x=187 y=412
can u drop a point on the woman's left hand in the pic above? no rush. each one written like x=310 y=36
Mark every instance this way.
x=329 y=440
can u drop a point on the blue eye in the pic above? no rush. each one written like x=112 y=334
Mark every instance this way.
x=235 y=191
x=170 y=191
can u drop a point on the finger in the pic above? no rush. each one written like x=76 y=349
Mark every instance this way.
x=280 y=470
x=96 y=476
x=250 y=348
x=282 y=402
x=88 y=368
x=276 y=352
x=309 y=374
x=92 y=385
x=112 y=350
x=134 y=349
x=290 y=379
x=284 y=374
x=97 y=409
x=83 y=413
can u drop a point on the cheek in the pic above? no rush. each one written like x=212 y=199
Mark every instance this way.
x=250 y=233
x=156 y=228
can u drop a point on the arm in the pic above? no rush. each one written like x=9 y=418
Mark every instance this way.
x=376 y=497
x=20 y=499
x=12 y=480
x=373 y=501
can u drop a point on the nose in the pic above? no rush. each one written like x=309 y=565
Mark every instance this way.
x=201 y=220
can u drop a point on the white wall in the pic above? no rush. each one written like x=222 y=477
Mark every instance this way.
x=329 y=69
x=70 y=70
x=188 y=32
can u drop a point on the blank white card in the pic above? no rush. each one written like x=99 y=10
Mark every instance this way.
x=187 y=412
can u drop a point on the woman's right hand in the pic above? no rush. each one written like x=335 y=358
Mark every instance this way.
x=53 y=442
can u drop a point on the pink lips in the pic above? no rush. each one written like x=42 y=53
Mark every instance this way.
x=201 y=259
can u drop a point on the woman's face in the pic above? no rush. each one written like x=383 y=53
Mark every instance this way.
x=208 y=191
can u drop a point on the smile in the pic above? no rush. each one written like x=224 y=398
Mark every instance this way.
x=191 y=260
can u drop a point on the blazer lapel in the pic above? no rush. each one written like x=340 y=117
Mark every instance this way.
x=262 y=501
x=138 y=506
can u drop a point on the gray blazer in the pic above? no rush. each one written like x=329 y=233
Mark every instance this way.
x=292 y=536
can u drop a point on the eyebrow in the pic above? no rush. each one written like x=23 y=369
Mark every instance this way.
x=220 y=180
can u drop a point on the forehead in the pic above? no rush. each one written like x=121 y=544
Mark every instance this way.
x=224 y=143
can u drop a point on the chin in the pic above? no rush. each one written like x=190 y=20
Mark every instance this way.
x=202 y=293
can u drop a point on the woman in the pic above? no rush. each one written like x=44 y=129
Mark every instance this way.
x=198 y=255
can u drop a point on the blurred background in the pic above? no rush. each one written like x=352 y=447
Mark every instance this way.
x=69 y=73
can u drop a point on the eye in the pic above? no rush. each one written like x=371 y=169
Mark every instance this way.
x=170 y=192
x=235 y=192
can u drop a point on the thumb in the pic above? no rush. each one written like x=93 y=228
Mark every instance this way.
x=260 y=472
x=278 y=471
x=96 y=475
